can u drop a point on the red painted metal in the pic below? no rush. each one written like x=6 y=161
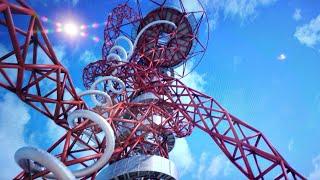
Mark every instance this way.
x=121 y=16
x=176 y=108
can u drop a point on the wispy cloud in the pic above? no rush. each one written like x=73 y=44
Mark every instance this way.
x=297 y=15
x=181 y=156
x=237 y=61
x=282 y=57
x=60 y=52
x=46 y=135
x=202 y=165
x=245 y=10
x=195 y=6
x=219 y=164
x=14 y=116
x=212 y=23
x=309 y=34
x=193 y=80
x=315 y=174
x=191 y=6
x=88 y=57
x=290 y=145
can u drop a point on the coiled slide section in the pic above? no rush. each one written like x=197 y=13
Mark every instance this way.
x=118 y=53
x=34 y=160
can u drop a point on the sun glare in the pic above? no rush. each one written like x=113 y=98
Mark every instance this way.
x=71 y=29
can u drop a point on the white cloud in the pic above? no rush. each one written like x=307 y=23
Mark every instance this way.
x=202 y=165
x=215 y=167
x=88 y=57
x=309 y=34
x=42 y=59
x=219 y=165
x=228 y=168
x=181 y=156
x=290 y=145
x=193 y=80
x=315 y=174
x=54 y=131
x=59 y=51
x=237 y=61
x=213 y=22
x=191 y=6
x=297 y=14
x=244 y=9
x=14 y=116
x=282 y=57
x=48 y=134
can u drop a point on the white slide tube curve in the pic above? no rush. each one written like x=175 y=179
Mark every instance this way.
x=109 y=79
x=110 y=139
x=117 y=49
x=127 y=54
x=148 y=26
x=97 y=92
x=26 y=157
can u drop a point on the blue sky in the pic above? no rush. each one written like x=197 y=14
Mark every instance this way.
x=261 y=64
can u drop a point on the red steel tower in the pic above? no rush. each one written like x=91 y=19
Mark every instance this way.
x=139 y=103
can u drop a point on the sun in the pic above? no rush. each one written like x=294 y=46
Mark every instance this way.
x=71 y=29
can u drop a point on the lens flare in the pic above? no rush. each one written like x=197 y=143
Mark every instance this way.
x=58 y=30
x=95 y=39
x=44 y=19
x=95 y=25
x=71 y=29
x=58 y=24
x=83 y=34
x=82 y=27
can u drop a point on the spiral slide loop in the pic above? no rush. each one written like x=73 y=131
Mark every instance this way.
x=26 y=157
x=93 y=92
x=148 y=26
x=109 y=79
x=97 y=92
x=118 y=50
x=110 y=139
x=57 y=168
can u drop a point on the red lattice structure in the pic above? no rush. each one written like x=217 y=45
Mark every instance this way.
x=155 y=107
x=120 y=16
